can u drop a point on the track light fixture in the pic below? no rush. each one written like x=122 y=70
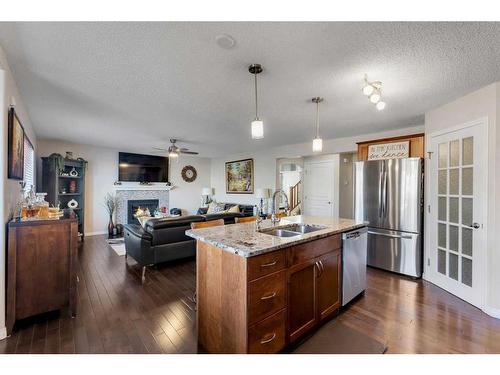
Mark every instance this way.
x=373 y=90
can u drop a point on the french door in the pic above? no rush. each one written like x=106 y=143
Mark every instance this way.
x=457 y=220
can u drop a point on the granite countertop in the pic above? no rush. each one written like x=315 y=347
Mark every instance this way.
x=243 y=239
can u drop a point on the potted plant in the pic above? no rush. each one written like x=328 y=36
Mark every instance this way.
x=110 y=203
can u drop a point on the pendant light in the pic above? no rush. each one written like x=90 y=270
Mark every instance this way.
x=257 y=124
x=317 y=141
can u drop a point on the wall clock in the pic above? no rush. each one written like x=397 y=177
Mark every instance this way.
x=189 y=173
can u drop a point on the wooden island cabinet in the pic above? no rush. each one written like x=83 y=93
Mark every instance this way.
x=263 y=303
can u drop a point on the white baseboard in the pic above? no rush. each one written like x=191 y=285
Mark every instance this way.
x=3 y=333
x=491 y=311
x=88 y=234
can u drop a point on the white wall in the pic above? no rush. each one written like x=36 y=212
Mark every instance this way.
x=187 y=195
x=265 y=161
x=9 y=189
x=480 y=104
x=102 y=172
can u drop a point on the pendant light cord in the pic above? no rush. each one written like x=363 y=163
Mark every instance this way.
x=317 y=119
x=256 y=116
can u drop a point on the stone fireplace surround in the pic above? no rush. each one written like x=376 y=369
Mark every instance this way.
x=125 y=195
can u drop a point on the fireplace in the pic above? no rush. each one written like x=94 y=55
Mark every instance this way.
x=143 y=204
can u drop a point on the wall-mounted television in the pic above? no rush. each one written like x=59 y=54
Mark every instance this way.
x=142 y=168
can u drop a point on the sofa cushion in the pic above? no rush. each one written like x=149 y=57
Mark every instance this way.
x=172 y=222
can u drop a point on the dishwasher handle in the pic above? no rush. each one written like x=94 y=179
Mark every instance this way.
x=354 y=234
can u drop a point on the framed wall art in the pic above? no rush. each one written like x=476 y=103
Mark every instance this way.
x=15 y=169
x=239 y=177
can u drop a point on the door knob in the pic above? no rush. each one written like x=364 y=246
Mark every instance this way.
x=475 y=225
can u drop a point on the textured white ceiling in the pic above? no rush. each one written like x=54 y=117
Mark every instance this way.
x=135 y=85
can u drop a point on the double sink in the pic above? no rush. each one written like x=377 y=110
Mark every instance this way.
x=292 y=230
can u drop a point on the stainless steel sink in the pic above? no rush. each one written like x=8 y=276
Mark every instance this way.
x=281 y=233
x=304 y=228
x=292 y=230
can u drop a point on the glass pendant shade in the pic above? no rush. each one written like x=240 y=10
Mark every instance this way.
x=257 y=129
x=374 y=98
x=368 y=90
x=317 y=145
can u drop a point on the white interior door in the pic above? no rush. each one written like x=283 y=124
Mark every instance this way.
x=457 y=220
x=320 y=188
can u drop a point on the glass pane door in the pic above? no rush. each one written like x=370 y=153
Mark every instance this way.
x=455 y=209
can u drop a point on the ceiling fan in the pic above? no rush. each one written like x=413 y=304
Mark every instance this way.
x=174 y=151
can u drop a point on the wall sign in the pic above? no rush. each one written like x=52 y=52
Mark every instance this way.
x=394 y=150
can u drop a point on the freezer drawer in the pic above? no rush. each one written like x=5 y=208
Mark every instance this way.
x=395 y=251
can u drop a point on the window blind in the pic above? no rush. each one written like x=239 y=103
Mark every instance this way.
x=29 y=164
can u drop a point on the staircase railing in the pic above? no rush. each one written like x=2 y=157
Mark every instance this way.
x=294 y=196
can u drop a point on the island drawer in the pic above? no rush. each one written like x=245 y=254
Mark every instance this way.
x=268 y=336
x=266 y=296
x=265 y=264
x=309 y=250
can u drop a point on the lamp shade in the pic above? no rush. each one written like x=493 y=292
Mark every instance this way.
x=257 y=129
x=206 y=191
x=262 y=193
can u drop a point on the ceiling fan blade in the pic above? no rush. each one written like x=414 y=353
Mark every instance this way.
x=188 y=152
x=159 y=149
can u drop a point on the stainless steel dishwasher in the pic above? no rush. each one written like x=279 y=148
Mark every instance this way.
x=353 y=263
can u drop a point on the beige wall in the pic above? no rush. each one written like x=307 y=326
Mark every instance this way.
x=483 y=103
x=102 y=172
x=9 y=189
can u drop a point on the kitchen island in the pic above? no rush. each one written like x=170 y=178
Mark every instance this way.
x=261 y=289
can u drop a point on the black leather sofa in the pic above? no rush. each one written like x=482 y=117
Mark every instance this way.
x=163 y=240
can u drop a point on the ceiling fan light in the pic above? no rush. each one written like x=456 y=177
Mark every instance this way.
x=173 y=154
x=257 y=129
x=380 y=106
x=317 y=145
x=368 y=89
x=374 y=98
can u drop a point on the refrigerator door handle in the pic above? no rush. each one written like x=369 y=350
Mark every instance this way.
x=380 y=206
x=384 y=204
x=390 y=235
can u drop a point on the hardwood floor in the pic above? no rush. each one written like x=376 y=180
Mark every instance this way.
x=116 y=314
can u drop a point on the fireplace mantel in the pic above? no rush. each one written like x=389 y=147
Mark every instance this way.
x=159 y=187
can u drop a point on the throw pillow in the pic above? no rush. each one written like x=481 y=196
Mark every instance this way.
x=233 y=209
x=215 y=207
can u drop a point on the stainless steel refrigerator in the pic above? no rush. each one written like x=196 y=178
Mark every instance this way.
x=389 y=197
